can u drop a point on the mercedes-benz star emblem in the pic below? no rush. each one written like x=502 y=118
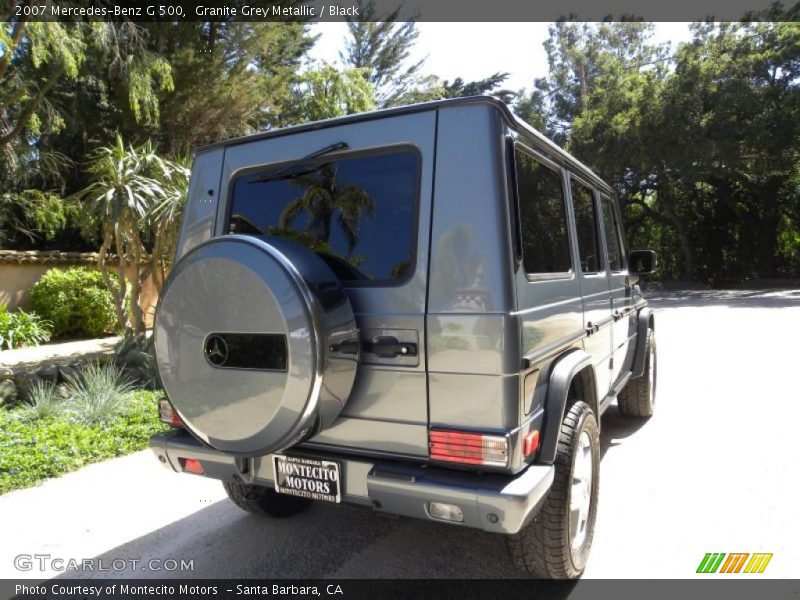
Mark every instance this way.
x=216 y=350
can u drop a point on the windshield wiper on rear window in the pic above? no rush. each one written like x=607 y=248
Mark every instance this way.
x=296 y=170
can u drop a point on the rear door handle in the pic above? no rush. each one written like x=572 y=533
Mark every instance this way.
x=389 y=347
x=384 y=347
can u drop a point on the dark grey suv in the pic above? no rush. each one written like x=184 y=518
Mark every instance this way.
x=422 y=310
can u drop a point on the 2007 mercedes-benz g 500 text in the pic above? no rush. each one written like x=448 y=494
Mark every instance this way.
x=422 y=310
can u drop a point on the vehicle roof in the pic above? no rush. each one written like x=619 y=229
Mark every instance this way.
x=541 y=142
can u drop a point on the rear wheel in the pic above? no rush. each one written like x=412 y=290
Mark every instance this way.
x=556 y=544
x=638 y=398
x=264 y=501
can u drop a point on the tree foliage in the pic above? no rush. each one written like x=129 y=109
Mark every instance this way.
x=382 y=48
x=327 y=92
x=38 y=57
x=230 y=79
x=700 y=140
x=134 y=197
x=701 y=143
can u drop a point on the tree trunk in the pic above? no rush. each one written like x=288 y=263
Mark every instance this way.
x=668 y=217
x=137 y=316
x=121 y=281
x=102 y=265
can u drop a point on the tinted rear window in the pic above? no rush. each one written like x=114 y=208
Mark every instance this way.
x=586 y=225
x=612 y=235
x=545 y=244
x=358 y=213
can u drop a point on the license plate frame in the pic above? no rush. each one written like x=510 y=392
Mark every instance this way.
x=298 y=479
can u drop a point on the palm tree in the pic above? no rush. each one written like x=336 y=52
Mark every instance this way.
x=324 y=199
x=135 y=196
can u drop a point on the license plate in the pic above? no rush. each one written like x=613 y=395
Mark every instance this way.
x=307 y=477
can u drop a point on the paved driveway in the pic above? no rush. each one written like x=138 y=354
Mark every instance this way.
x=716 y=470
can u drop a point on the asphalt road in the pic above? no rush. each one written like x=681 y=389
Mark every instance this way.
x=716 y=470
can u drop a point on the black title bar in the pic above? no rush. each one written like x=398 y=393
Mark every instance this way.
x=421 y=10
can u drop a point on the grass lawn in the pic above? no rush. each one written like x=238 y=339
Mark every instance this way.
x=31 y=451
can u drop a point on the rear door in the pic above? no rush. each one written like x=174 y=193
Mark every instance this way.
x=548 y=290
x=593 y=277
x=619 y=286
x=365 y=206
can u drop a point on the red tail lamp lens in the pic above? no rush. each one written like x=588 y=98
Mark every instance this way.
x=192 y=465
x=531 y=443
x=168 y=415
x=468 y=448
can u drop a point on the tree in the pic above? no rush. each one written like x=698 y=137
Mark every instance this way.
x=701 y=144
x=436 y=89
x=735 y=101
x=326 y=92
x=382 y=48
x=36 y=57
x=134 y=197
x=230 y=79
x=459 y=88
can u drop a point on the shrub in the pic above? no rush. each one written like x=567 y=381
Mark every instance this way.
x=35 y=450
x=98 y=394
x=76 y=301
x=18 y=329
x=43 y=402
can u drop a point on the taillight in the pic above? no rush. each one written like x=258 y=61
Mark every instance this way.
x=168 y=415
x=531 y=442
x=469 y=448
x=192 y=465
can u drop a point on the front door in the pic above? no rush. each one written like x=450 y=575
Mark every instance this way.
x=622 y=301
x=593 y=277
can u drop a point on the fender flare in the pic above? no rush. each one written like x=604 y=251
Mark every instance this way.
x=645 y=321
x=561 y=377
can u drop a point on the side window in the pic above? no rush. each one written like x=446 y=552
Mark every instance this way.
x=586 y=224
x=545 y=245
x=611 y=228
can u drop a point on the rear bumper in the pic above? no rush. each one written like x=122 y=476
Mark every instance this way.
x=497 y=503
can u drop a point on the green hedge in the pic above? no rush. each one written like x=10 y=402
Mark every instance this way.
x=75 y=301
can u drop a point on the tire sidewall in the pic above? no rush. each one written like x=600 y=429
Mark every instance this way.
x=586 y=422
x=652 y=355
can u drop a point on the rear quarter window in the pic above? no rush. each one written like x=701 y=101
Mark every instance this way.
x=358 y=212
x=616 y=259
x=542 y=216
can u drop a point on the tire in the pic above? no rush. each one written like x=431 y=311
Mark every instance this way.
x=262 y=500
x=638 y=398
x=547 y=547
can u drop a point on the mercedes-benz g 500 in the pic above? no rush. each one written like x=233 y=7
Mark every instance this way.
x=423 y=310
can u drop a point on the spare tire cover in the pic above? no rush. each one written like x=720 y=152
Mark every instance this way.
x=256 y=343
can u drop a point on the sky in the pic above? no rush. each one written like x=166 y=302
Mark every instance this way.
x=451 y=50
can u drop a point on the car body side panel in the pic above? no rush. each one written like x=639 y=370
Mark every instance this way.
x=473 y=358
x=202 y=202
